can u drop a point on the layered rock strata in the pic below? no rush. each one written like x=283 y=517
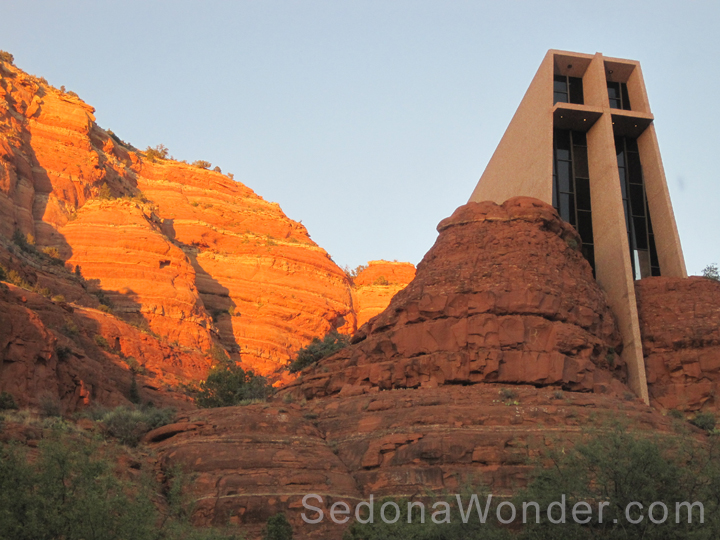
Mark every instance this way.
x=188 y=251
x=504 y=296
x=374 y=287
x=253 y=462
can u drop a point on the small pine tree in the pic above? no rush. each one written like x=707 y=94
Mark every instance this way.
x=134 y=393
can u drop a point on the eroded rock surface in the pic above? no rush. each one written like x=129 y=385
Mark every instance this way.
x=680 y=327
x=503 y=296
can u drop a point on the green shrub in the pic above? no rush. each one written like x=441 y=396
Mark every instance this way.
x=228 y=384
x=14 y=277
x=3 y=273
x=6 y=57
x=159 y=152
x=70 y=329
x=128 y=425
x=704 y=420
x=352 y=273
x=507 y=394
x=50 y=406
x=620 y=467
x=134 y=392
x=63 y=353
x=202 y=164
x=317 y=350
x=711 y=272
x=101 y=342
x=7 y=401
x=51 y=252
x=674 y=413
x=70 y=491
x=105 y=193
x=58 y=298
x=278 y=528
x=381 y=280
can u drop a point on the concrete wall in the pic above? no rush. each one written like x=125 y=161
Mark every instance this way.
x=524 y=154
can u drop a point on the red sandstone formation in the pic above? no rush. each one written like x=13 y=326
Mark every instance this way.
x=255 y=461
x=75 y=356
x=680 y=327
x=374 y=287
x=503 y=296
x=188 y=251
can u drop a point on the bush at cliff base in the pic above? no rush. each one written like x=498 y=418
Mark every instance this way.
x=68 y=490
x=610 y=466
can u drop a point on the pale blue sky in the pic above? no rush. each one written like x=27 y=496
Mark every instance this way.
x=370 y=121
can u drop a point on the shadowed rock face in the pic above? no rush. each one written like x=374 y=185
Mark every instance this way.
x=503 y=296
x=250 y=463
x=680 y=327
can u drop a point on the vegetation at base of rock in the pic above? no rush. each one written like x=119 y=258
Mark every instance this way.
x=704 y=420
x=129 y=424
x=278 y=528
x=70 y=490
x=711 y=272
x=7 y=401
x=228 y=384
x=612 y=466
x=318 y=349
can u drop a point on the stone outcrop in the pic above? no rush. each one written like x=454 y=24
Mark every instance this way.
x=680 y=328
x=255 y=461
x=193 y=255
x=374 y=287
x=504 y=296
x=72 y=357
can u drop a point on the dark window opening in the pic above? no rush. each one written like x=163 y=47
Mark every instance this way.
x=618 y=95
x=571 y=186
x=568 y=90
x=643 y=254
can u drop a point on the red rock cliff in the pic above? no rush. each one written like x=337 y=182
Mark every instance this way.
x=187 y=251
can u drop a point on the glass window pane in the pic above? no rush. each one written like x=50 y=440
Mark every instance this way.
x=579 y=138
x=640 y=233
x=576 y=90
x=653 y=252
x=567 y=208
x=581 y=161
x=634 y=168
x=584 y=226
x=559 y=97
x=631 y=144
x=564 y=179
x=582 y=193
x=623 y=183
x=614 y=94
x=637 y=200
x=625 y=97
x=562 y=139
x=627 y=220
x=560 y=83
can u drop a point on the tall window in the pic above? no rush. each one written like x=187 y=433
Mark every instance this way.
x=568 y=90
x=618 y=94
x=571 y=186
x=637 y=215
